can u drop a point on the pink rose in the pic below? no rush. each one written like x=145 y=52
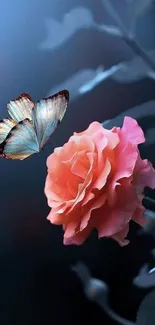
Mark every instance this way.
x=96 y=180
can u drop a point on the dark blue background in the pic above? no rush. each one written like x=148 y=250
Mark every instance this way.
x=36 y=285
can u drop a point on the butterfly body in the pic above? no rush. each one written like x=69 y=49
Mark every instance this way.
x=31 y=124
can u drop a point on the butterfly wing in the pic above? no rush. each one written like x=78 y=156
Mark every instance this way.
x=21 y=108
x=47 y=114
x=5 y=126
x=21 y=142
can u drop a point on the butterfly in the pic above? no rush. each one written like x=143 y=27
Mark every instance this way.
x=30 y=124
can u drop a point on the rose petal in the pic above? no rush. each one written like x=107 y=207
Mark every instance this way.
x=55 y=218
x=95 y=205
x=102 y=178
x=92 y=128
x=112 y=137
x=49 y=192
x=144 y=174
x=124 y=166
x=81 y=165
x=68 y=149
x=138 y=215
x=113 y=220
x=132 y=131
x=120 y=236
x=99 y=183
x=79 y=238
x=70 y=229
x=101 y=143
x=53 y=162
x=125 y=161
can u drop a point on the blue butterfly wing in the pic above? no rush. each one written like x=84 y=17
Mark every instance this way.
x=47 y=114
x=5 y=127
x=21 y=108
x=21 y=142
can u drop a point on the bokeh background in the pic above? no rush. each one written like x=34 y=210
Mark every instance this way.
x=46 y=46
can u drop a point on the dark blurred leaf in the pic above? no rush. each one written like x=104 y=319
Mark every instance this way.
x=143 y=112
x=75 y=81
x=101 y=75
x=136 y=8
x=144 y=279
x=146 y=313
x=134 y=70
x=112 y=12
x=93 y=288
x=140 y=7
x=59 y=32
x=85 y=80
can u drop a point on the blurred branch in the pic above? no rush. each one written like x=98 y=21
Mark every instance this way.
x=98 y=291
x=116 y=317
x=135 y=46
x=132 y=20
x=112 y=12
x=130 y=41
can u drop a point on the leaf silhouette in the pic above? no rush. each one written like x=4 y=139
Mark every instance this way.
x=140 y=7
x=112 y=12
x=59 y=32
x=134 y=70
x=98 y=291
x=136 y=9
x=85 y=80
x=77 y=80
x=139 y=112
x=144 y=279
x=101 y=75
x=146 y=312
